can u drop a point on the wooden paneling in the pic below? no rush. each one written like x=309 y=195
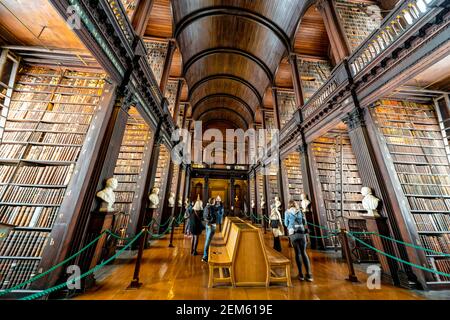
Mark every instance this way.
x=176 y=69
x=160 y=23
x=228 y=63
x=311 y=37
x=35 y=23
x=283 y=13
x=231 y=32
x=219 y=104
x=225 y=86
x=225 y=115
x=283 y=77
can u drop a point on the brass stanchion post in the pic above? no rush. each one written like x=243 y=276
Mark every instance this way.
x=135 y=284
x=346 y=248
x=171 y=233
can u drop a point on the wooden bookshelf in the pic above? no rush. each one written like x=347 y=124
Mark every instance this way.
x=156 y=56
x=162 y=172
x=273 y=184
x=8 y=70
x=261 y=191
x=411 y=133
x=252 y=193
x=286 y=105
x=339 y=179
x=313 y=74
x=128 y=170
x=171 y=94
x=358 y=20
x=49 y=115
x=293 y=175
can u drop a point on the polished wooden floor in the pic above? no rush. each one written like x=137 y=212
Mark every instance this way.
x=172 y=273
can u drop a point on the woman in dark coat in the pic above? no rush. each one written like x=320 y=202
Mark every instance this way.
x=195 y=225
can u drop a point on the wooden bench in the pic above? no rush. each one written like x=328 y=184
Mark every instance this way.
x=278 y=262
x=220 y=239
x=238 y=256
x=220 y=259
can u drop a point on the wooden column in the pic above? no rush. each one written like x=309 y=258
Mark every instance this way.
x=232 y=194
x=95 y=220
x=371 y=177
x=336 y=33
x=205 y=191
x=280 y=171
x=176 y=109
x=187 y=187
x=166 y=210
x=167 y=65
x=141 y=16
x=315 y=191
x=144 y=213
x=296 y=80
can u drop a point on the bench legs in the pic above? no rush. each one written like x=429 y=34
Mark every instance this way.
x=222 y=279
x=286 y=278
x=288 y=275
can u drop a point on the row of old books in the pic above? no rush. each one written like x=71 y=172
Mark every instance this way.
x=438 y=243
x=15 y=272
x=429 y=204
x=29 y=217
x=23 y=244
x=33 y=195
x=432 y=222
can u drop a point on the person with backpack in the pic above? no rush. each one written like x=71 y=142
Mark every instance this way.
x=210 y=217
x=296 y=225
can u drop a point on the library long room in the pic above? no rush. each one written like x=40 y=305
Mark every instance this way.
x=225 y=150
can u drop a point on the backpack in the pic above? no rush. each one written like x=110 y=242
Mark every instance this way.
x=299 y=222
x=210 y=216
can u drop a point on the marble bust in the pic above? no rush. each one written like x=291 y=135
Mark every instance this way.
x=305 y=203
x=277 y=203
x=171 y=200
x=263 y=203
x=107 y=195
x=180 y=202
x=252 y=204
x=154 y=199
x=370 y=203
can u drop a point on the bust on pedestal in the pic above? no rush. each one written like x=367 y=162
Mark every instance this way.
x=107 y=195
x=171 y=200
x=277 y=203
x=370 y=203
x=154 y=199
x=305 y=203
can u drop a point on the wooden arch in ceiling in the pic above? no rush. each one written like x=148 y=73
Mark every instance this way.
x=225 y=86
x=229 y=77
x=223 y=102
x=227 y=116
x=227 y=60
x=233 y=48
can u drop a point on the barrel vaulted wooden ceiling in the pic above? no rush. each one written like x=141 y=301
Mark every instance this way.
x=232 y=51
